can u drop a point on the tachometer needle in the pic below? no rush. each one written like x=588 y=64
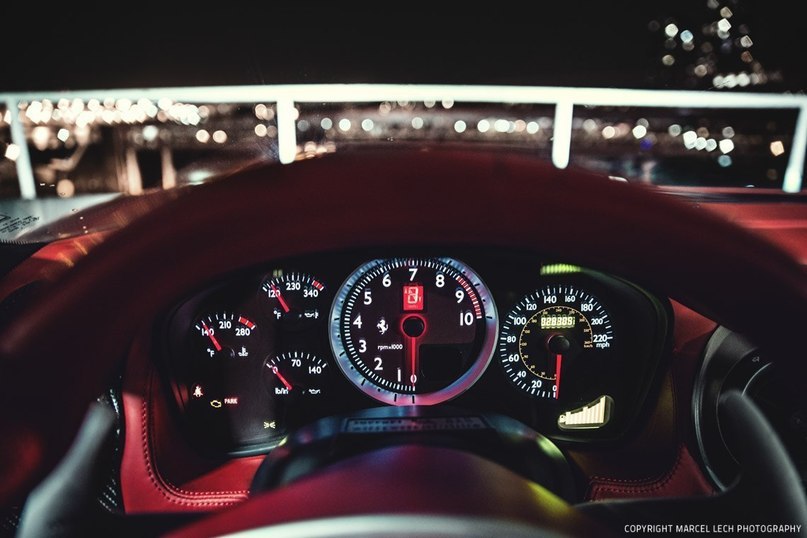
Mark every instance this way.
x=412 y=328
x=412 y=351
x=281 y=378
x=558 y=363
x=280 y=299
x=210 y=335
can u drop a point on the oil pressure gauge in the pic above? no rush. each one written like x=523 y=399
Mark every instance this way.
x=295 y=374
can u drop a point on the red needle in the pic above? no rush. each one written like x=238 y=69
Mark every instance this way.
x=412 y=356
x=281 y=378
x=280 y=298
x=209 y=334
x=412 y=329
x=558 y=362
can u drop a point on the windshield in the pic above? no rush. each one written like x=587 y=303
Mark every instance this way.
x=706 y=99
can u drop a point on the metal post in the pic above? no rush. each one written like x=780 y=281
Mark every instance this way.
x=25 y=171
x=562 y=133
x=795 y=165
x=286 y=131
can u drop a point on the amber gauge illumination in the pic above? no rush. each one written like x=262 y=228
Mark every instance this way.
x=548 y=338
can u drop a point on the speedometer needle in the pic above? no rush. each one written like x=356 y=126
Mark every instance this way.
x=281 y=378
x=557 y=344
x=209 y=334
x=280 y=299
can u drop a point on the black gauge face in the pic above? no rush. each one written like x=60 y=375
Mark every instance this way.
x=295 y=374
x=225 y=335
x=294 y=299
x=548 y=336
x=413 y=331
x=226 y=348
x=235 y=346
x=250 y=357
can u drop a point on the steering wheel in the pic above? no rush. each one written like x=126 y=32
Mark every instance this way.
x=403 y=198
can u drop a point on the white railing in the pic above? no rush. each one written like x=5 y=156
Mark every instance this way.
x=563 y=99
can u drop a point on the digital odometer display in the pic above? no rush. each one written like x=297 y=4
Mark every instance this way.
x=413 y=330
x=550 y=321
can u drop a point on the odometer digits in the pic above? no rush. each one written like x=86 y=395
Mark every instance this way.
x=557 y=321
x=413 y=330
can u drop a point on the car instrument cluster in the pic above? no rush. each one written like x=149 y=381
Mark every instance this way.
x=568 y=351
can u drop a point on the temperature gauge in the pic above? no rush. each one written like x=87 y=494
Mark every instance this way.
x=226 y=335
x=294 y=299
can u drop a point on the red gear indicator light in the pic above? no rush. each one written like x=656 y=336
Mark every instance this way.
x=413 y=297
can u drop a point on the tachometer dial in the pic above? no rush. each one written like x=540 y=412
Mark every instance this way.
x=294 y=299
x=413 y=330
x=547 y=334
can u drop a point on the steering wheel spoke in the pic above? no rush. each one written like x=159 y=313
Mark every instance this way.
x=768 y=490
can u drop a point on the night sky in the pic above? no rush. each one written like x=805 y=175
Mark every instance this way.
x=602 y=43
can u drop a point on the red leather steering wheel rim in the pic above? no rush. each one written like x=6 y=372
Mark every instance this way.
x=58 y=353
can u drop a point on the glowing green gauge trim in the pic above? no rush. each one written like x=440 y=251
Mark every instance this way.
x=559 y=269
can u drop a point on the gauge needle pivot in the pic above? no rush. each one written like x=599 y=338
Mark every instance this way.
x=210 y=335
x=283 y=380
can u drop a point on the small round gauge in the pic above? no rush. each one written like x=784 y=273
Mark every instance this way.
x=547 y=334
x=225 y=335
x=295 y=373
x=412 y=331
x=294 y=299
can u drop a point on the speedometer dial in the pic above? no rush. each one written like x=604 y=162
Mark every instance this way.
x=549 y=335
x=413 y=330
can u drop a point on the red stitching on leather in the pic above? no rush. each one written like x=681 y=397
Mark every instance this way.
x=640 y=484
x=601 y=484
x=165 y=488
